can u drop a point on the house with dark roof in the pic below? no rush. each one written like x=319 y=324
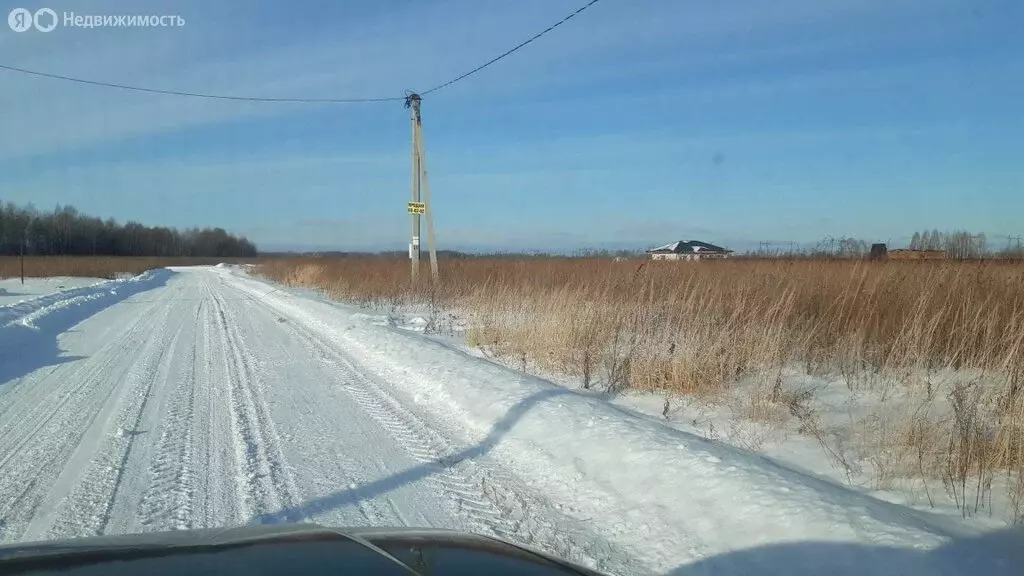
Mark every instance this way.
x=688 y=250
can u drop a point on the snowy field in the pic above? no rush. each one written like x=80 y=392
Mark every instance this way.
x=12 y=291
x=199 y=397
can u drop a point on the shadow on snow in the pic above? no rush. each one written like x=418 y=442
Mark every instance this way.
x=998 y=553
x=25 y=349
x=384 y=485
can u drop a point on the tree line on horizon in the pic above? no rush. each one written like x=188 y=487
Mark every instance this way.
x=957 y=245
x=67 y=232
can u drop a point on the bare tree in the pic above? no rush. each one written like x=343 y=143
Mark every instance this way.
x=915 y=241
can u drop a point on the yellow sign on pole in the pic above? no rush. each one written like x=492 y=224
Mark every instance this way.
x=417 y=208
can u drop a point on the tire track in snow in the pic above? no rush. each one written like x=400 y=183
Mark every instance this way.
x=424 y=447
x=18 y=504
x=215 y=500
x=470 y=501
x=326 y=464
x=53 y=429
x=487 y=496
x=166 y=503
x=87 y=510
x=265 y=483
x=42 y=408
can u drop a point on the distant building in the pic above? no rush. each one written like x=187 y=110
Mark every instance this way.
x=879 y=251
x=688 y=250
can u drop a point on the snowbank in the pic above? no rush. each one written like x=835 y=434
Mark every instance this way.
x=28 y=311
x=30 y=328
x=12 y=291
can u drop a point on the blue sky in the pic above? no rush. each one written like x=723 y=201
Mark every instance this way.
x=638 y=123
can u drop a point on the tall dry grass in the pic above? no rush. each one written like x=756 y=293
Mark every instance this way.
x=943 y=341
x=96 y=266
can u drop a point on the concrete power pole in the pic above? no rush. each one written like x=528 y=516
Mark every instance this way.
x=415 y=206
x=420 y=204
x=431 y=241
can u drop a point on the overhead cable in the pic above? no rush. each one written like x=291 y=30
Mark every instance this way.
x=198 y=94
x=509 y=52
x=132 y=88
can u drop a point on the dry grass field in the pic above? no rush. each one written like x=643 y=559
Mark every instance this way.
x=94 y=266
x=941 y=341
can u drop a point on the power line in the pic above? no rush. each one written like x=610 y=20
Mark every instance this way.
x=520 y=45
x=197 y=94
x=293 y=100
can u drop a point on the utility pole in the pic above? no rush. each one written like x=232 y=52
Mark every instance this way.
x=24 y=241
x=413 y=101
x=1009 y=242
x=420 y=204
x=431 y=240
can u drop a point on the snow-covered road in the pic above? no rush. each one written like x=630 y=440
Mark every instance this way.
x=191 y=405
x=183 y=401
x=200 y=397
